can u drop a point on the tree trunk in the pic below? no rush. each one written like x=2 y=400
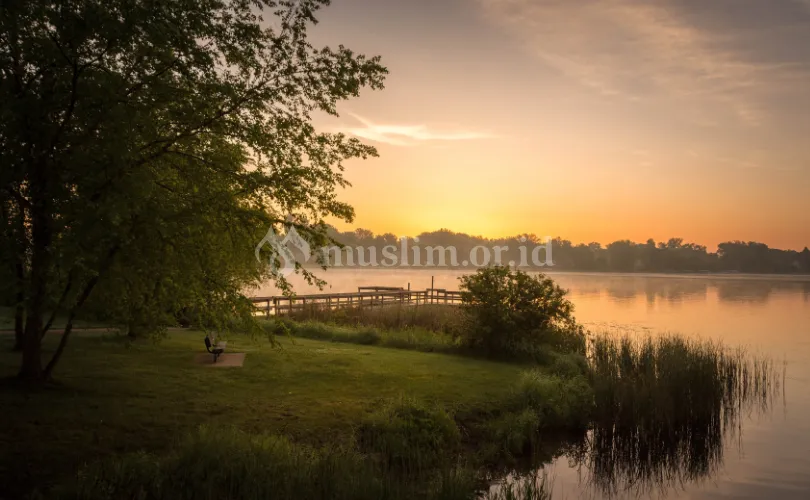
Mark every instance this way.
x=41 y=238
x=31 y=370
x=19 y=310
x=19 y=326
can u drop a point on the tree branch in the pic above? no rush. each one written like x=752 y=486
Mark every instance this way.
x=72 y=315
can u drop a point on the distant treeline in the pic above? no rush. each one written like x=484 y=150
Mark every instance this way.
x=674 y=255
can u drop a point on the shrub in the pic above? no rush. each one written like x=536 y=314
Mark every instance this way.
x=559 y=403
x=409 y=434
x=516 y=431
x=567 y=366
x=511 y=311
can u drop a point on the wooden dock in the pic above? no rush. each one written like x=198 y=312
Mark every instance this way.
x=366 y=296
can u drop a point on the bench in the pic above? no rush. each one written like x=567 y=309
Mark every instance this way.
x=215 y=351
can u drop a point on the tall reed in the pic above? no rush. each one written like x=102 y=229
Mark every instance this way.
x=663 y=407
x=439 y=318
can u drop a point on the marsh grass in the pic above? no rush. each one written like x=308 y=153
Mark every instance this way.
x=412 y=338
x=664 y=406
x=440 y=318
x=534 y=485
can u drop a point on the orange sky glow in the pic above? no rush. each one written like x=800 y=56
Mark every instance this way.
x=592 y=120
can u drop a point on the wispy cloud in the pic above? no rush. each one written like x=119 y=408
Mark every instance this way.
x=407 y=135
x=642 y=49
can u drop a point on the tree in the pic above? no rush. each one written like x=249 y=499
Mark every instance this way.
x=622 y=255
x=124 y=122
x=513 y=312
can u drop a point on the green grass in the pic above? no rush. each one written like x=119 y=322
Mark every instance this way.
x=412 y=338
x=115 y=396
x=211 y=464
x=440 y=318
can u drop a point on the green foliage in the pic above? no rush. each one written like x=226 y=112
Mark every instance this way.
x=511 y=311
x=516 y=431
x=410 y=434
x=540 y=401
x=148 y=146
x=559 y=403
x=568 y=366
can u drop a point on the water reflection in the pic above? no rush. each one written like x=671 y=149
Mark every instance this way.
x=667 y=411
x=675 y=290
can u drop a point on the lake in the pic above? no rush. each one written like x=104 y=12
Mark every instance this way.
x=770 y=458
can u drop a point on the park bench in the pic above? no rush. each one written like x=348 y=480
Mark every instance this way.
x=215 y=351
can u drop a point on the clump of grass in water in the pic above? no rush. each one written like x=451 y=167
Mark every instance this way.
x=531 y=486
x=664 y=406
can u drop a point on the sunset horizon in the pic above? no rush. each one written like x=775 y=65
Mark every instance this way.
x=597 y=121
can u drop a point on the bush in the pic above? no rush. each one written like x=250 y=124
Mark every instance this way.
x=510 y=311
x=559 y=403
x=567 y=366
x=410 y=435
x=516 y=431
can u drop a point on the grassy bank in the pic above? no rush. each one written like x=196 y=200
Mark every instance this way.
x=115 y=396
x=340 y=415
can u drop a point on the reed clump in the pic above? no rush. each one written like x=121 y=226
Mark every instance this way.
x=663 y=407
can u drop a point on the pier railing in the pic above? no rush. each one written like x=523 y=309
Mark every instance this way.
x=370 y=296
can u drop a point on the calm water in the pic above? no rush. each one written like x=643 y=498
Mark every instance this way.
x=768 y=315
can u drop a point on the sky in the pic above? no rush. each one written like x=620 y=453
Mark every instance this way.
x=593 y=120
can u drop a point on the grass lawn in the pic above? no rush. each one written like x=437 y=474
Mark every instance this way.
x=114 y=396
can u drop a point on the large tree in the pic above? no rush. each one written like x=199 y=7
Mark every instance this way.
x=137 y=136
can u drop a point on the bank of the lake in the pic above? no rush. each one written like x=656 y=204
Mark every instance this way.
x=115 y=397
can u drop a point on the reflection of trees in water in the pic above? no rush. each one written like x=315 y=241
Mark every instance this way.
x=758 y=291
x=673 y=290
x=669 y=290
